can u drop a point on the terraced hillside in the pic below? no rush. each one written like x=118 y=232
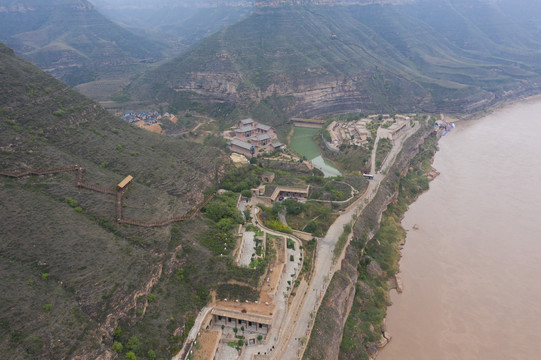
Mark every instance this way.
x=70 y=273
x=430 y=56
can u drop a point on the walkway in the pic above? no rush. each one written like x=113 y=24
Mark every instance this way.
x=247 y=248
x=118 y=193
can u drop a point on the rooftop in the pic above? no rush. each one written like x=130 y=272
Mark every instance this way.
x=263 y=127
x=280 y=189
x=245 y=128
x=261 y=137
x=247 y=121
x=260 y=313
x=242 y=144
x=125 y=182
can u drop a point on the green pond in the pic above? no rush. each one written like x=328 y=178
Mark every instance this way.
x=303 y=144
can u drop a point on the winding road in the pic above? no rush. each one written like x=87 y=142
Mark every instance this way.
x=291 y=327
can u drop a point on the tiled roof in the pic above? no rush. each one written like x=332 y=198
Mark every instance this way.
x=241 y=144
x=245 y=128
x=247 y=121
x=263 y=127
x=261 y=137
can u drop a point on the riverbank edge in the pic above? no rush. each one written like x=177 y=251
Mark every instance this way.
x=327 y=338
x=479 y=114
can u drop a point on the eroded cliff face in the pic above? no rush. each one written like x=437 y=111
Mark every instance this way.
x=317 y=95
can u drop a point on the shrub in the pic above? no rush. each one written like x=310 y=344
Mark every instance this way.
x=117 y=347
x=293 y=207
x=47 y=307
x=311 y=227
x=133 y=344
x=117 y=333
x=277 y=225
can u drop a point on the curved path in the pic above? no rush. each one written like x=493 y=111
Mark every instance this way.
x=294 y=345
x=291 y=327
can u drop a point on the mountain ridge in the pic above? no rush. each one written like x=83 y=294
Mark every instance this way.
x=71 y=40
x=318 y=60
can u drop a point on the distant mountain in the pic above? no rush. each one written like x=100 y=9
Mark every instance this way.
x=179 y=23
x=71 y=40
x=70 y=273
x=451 y=56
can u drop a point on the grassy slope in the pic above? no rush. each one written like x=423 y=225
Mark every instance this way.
x=400 y=57
x=94 y=266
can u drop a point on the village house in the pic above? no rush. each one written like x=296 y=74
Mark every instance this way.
x=250 y=138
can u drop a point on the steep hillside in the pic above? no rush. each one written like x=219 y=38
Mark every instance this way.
x=71 y=40
x=432 y=56
x=70 y=273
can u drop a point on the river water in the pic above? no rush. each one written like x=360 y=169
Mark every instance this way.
x=303 y=144
x=472 y=271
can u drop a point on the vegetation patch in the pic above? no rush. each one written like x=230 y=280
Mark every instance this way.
x=234 y=292
x=384 y=147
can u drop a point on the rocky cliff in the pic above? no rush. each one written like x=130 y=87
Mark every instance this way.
x=317 y=60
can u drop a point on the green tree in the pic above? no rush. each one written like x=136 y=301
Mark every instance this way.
x=133 y=344
x=117 y=347
x=311 y=227
x=131 y=355
x=118 y=332
x=151 y=354
x=293 y=207
x=246 y=193
x=225 y=224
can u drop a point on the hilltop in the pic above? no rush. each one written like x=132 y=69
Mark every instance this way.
x=71 y=273
x=318 y=60
x=71 y=40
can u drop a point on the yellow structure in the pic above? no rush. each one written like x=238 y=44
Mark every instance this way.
x=125 y=182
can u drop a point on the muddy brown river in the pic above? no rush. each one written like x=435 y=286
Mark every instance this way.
x=472 y=271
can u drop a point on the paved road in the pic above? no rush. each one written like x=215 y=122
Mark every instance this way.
x=247 y=248
x=193 y=333
x=288 y=344
x=324 y=266
x=281 y=316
